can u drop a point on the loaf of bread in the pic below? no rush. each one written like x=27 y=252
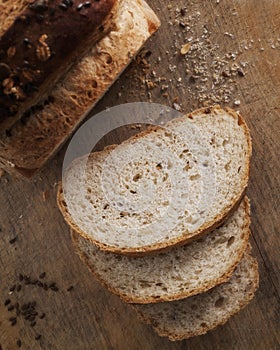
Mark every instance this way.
x=161 y=188
x=44 y=40
x=176 y=274
x=28 y=144
x=201 y=313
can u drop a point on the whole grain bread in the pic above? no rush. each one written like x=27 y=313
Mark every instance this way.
x=201 y=313
x=41 y=44
x=176 y=274
x=161 y=188
x=44 y=128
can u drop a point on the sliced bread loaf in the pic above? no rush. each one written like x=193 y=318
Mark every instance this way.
x=175 y=274
x=201 y=313
x=44 y=128
x=162 y=187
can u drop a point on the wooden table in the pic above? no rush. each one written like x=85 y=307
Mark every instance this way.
x=238 y=52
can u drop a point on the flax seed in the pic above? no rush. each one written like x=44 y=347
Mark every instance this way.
x=12 y=241
x=12 y=288
x=7 y=302
x=42 y=275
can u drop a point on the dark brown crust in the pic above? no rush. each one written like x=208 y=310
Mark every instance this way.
x=208 y=227
x=41 y=44
x=178 y=296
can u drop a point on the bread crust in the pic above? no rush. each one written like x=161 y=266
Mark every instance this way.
x=204 y=229
x=184 y=294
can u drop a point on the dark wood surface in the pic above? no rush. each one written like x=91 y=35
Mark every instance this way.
x=244 y=35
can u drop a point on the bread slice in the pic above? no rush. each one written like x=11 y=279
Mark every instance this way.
x=45 y=127
x=201 y=313
x=162 y=187
x=176 y=274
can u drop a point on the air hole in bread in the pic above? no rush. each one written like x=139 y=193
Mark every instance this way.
x=194 y=177
x=94 y=84
x=227 y=166
x=137 y=177
x=225 y=142
x=109 y=59
x=89 y=94
x=230 y=241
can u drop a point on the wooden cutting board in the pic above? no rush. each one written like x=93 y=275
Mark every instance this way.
x=233 y=59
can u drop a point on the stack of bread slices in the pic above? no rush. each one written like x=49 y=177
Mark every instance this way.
x=162 y=220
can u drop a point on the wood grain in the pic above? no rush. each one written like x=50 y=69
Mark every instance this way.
x=88 y=317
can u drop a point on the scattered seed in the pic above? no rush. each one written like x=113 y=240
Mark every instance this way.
x=26 y=280
x=42 y=275
x=39 y=284
x=12 y=288
x=42 y=316
x=7 y=302
x=19 y=343
x=12 y=241
x=53 y=287
x=185 y=48
x=13 y=322
x=24 y=307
